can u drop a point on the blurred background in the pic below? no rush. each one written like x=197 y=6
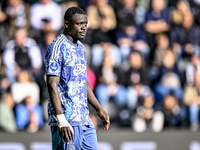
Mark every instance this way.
x=143 y=63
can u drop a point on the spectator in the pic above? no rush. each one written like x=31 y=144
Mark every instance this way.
x=109 y=84
x=182 y=8
x=7 y=116
x=174 y=112
x=25 y=86
x=157 y=18
x=157 y=21
x=126 y=13
x=192 y=100
x=103 y=41
x=131 y=11
x=132 y=37
x=43 y=16
x=186 y=36
x=22 y=53
x=94 y=13
x=147 y=117
x=169 y=78
x=17 y=13
x=191 y=67
x=137 y=79
x=162 y=45
x=29 y=115
x=103 y=32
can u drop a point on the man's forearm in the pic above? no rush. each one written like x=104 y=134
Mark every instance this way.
x=95 y=104
x=52 y=84
x=92 y=99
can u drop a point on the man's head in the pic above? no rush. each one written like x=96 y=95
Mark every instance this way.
x=20 y=37
x=158 y=5
x=76 y=23
x=7 y=98
x=14 y=3
x=188 y=20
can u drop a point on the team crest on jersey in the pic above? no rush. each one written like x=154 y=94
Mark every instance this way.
x=53 y=66
x=71 y=146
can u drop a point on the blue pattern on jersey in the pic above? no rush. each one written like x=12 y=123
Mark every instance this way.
x=68 y=61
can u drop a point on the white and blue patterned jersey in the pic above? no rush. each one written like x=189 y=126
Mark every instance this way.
x=68 y=61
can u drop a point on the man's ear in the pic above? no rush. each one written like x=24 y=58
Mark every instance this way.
x=66 y=24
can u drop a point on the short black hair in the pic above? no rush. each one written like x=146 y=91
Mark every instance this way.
x=72 y=11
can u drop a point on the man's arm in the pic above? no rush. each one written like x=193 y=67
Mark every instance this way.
x=65 y=128
x=95 y=104
x=52 y=84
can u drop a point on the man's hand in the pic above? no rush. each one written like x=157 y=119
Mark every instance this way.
x=66 y=134
x=95 y=104
x=65 y=129
x=105 y=119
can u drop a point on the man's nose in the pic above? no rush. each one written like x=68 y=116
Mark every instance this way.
x=84 y=27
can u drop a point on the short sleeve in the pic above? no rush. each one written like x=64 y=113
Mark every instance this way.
x=53 y=60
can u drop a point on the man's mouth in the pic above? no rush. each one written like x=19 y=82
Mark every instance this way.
x=82 y=33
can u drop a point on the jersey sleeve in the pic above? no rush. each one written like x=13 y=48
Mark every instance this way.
x=53 y=59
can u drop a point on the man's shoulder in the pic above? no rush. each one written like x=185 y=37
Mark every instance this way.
x=30 y=42
x=11 y=44
x=60 y=43
x=58 y=40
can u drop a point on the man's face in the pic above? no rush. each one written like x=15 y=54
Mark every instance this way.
x=20 y=37
x=77 y=28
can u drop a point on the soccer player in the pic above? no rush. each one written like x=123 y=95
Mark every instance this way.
x=68 y=89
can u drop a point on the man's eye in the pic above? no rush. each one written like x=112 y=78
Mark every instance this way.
x=80 y=24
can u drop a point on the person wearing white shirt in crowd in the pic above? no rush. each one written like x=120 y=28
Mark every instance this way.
x=22 y=53
x=43 y=12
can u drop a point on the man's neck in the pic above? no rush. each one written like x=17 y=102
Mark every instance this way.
x=71 y=38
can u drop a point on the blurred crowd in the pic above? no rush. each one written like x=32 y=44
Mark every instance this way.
x=143 y=61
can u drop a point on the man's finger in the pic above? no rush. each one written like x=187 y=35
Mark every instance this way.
x=108 y=118
x=108 y=126
x=69 y=134
x=61 y=133
x=72 y=130
x=66 y=136
x=107 y=122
